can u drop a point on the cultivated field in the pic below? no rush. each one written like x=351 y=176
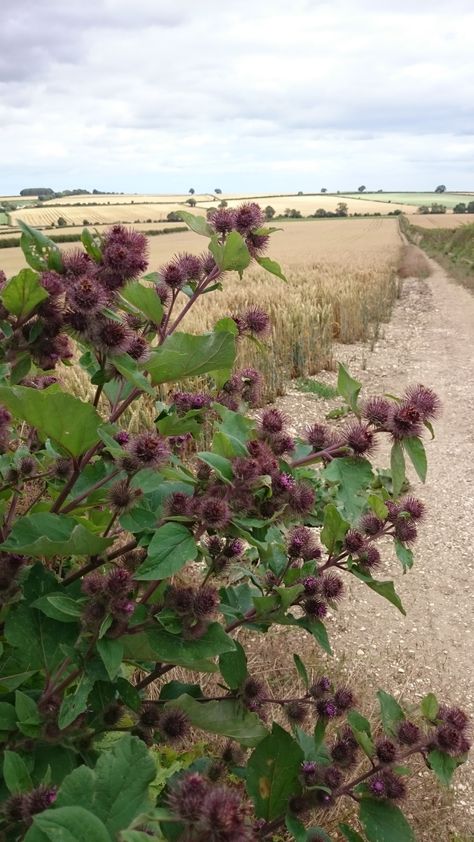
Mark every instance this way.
x=443 y=220
x=102 y=214
x=415 y=199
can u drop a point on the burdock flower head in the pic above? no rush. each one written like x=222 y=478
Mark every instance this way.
x=173 y=275
x=359 y=437
x=149 y=449
x=86 y=294
x=114 y=337
x=222 y=220
x=124 y=256
x=376 y=410
x=319 y=436
x=248 y=217
x=425 y=400
x=254 y=321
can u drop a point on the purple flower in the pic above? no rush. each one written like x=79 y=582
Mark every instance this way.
x=315 y=609
x=149 y=448
x=377 y=410
x=52 y=282
x=124 y=256
x=173 y=275
x=404 y=420
x=114 y=337
x=214 y=513
x=327 y=708
x=332 y=587
x=359 y=437
x=354 y=541
x=247 y=217
x=408 y=733
x=138 y=348
x=371 y=524
x=425 y=400
x=173 y=724
x=320 y=687
x=86 y=295
x=319 y=436
x=272 y=421
x=256 y=321
x=222 y=220
x=190 y=266
x=205 y=601
x=186 y=797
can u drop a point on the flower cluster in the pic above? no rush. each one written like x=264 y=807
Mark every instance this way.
x=195 y=607
x=248 y=220
x=20 y=808
x=209 y=813
x=109 y=594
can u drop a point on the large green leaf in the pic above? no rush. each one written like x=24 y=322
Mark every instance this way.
x=77 y=788
x=233 y=666
x=390 y=712
x=416 y=451
x=228 y=718
x=350 y=834
x=145 y=299
x=37 y=640
x=23 y=293
x=7 y=717
x=397 y=467
x=44 y=535
x=197 y=224
x=75 y=703
x=385 y=589
x=171 y=547
x=334 y=527
x=184 y=355
x=430 y=707
x=384 y=822
x=68 y=421
x=128 y=368
x=123 y=776
x=40 y=252
x=15 y=772
x=67 y=824
x=160 y=645
x=271 y=266
x=351 y=476
x=348 y=388
x=272 y=773
x=443 y=765
x=232 y=255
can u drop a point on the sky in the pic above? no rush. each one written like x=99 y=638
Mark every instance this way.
x=157 y=96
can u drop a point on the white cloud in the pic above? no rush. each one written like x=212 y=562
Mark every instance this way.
x=151 y=95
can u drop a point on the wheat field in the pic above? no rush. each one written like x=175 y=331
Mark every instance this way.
x=443 y=220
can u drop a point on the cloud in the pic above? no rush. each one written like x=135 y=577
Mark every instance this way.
x=149 y=95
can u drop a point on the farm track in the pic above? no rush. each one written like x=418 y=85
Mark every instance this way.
x=429 y=340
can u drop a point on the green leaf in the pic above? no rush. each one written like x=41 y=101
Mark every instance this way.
x=26 y=709
x=443 y=765
x=350 y=834
x=111 y=652
x=233 y=255
x=430 y=707
x=272 y=773
x=128 y=368
x=359 y=722
x=59 y=607
x=348 y=388
x=91 y=245
x=384 y=822
x=183 y=355
x=140 y=836
x=271 y=266
x=397 y=467
x=385 y=589
x=390 y=711
x=44 y=535
x=233 y=666
x=416 y=451
x=404 y=554
x=145 y=299
x=22 y=294
x=68 y=421
x=352 y=476
x=75 y=703
x=129 y=694
x=219 y=464
x=67 y=824
x=163 y=646
x=37 y=640
x=318 y=630
x=334 y=527
x=15 y=773
x=198 y=224
x=301 y=669
x=378 y=506
x=77 y=788
x=228 y=718
x=171 y=547
x=123 y=776
x=40 y=252
x=7 y=717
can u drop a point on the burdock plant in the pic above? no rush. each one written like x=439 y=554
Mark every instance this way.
x=126 y=555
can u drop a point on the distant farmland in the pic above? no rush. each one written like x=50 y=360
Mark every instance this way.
x=416 y=199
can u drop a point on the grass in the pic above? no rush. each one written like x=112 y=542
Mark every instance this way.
x=4 y=220
x=315 y=387
x=452 y=247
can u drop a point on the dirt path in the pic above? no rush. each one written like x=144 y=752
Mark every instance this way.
x=429 y=340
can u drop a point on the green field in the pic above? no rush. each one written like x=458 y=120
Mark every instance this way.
x=417 y=199
x=4 y=218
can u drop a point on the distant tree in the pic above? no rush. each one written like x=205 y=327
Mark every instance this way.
x=173 y=216
x=379 y=191
x=437 y=208
x=441 y=188
x=61 y=222
x=85 y=222
x=470 y=207
x=191 y=202
x=269 y=212
x=192 y=191
x=324 y=190
x=300 y=193
x=361 y=188
x=320 y=212
x=459 y=208
x=37 y=191
x=217 y=190
x=342 y=209
x=223 y=204
x=423 y=209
